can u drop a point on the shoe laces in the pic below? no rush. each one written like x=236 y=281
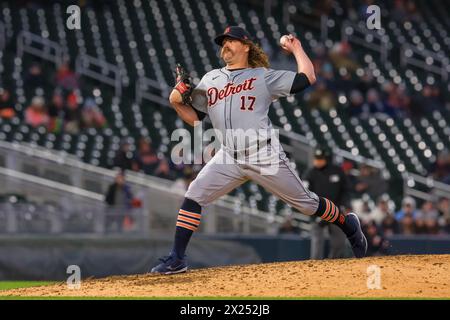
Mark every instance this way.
x=165 y=259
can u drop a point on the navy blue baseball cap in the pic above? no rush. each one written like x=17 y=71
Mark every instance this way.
x=233 y=32
x=322 y=153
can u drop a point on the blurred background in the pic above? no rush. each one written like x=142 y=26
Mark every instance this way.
x=86 y=176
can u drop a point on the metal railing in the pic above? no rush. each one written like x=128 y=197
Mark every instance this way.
x=52 y=207
x=359 y=34
x=145 y=88
x=431 y=189
x=86 y=65
x=50 y=219
x=40 y=47
x=100 y=70
x=160 y=201
x=425 y=59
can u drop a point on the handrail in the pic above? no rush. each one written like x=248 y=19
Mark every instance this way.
x=137 y=179
x=143 y=83
x=430 y=182
x=348 y=34
x=83 y=64
x=51 y=184
x=340 y=152
x=24 y=44
x=406 y=57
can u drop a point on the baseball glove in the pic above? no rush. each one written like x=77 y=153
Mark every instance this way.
x=183 y=84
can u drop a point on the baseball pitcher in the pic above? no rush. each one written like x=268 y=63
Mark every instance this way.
x=237 y=98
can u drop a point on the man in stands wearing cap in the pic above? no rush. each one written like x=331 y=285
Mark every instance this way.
x=330 y=181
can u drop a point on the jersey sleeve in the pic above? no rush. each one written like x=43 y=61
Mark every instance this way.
x=279 y=82
x=199 y=98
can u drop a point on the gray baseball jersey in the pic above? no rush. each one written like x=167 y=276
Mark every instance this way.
x=240 y=100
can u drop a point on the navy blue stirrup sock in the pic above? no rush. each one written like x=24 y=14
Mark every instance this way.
x=328 y=211
x=187 y=222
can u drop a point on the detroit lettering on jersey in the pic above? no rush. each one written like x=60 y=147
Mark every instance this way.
x=229 y=89
x=240 y=99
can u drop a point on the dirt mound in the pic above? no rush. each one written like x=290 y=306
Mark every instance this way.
x=426 y=276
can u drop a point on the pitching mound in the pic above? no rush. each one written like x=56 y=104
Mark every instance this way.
x=426 y=276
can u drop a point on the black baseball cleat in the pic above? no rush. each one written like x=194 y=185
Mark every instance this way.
x=170 y=265
x=357 y=240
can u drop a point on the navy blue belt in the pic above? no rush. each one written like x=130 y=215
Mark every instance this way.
x=247 y=151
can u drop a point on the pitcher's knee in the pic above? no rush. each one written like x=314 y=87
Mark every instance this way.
x=194 y=193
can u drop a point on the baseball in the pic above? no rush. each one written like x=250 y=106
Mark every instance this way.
x=283 y=40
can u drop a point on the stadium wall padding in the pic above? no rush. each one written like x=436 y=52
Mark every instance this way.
x=37 y=258
x=45 y=258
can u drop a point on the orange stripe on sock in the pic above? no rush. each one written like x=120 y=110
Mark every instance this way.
x=332 y=211
x=335 y=216
x=186 y=226
x=327 y=210
x=191 y=214
x=196 y=222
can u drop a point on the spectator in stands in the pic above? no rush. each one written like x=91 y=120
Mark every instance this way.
x=35 y=78
x=444 y=214
x=363 y=208
x=357 y=107
x=149 y=162
x=366 y=82
x=163 y=171
x=373 y=101
x=398 y=12
x=377 y=245
x=327 y=74
x=427 y=219
x=119 y=193
x=146 y=158
x=370 y=181
x=72 y=114
x=92 y=116
x=66 y=78
x=389 y=226
x=344 y=82
x=438 y=99
x=321 y=97
x=56 y=112
x=397 y=102
x=347 y=168
x=120 y=200
x=124 y=157
x=6 y=105
x=440 y=169
x=406 y=215
x=381 y=211
x=36 y=113
x=412 y=14
x=329 y=180
x=342 y=57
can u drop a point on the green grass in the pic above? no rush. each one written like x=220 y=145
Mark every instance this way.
x=6 y=285
x=208 y=298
